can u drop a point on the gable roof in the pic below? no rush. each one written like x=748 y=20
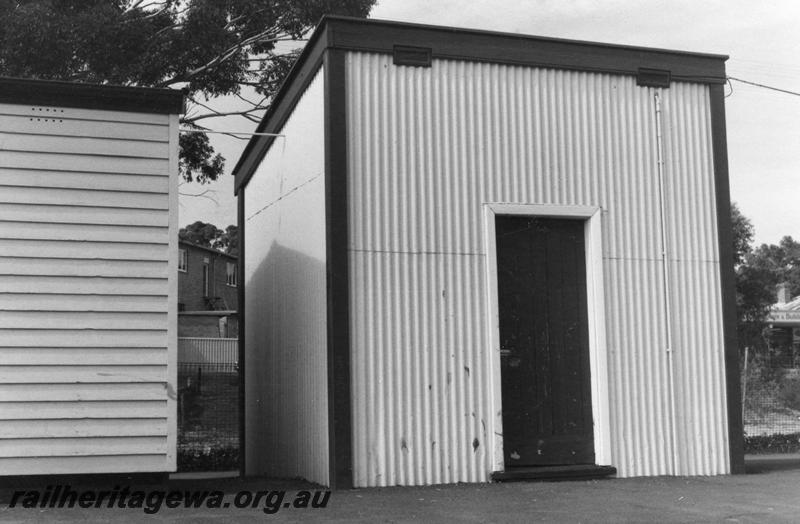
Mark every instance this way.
x=792 y=305
x=786 y=314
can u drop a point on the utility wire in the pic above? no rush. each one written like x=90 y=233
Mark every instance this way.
x=728 y=81
x=765 y=87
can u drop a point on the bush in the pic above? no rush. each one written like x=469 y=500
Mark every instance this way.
x=790 y=392
x=772 y=443
x=208 y=459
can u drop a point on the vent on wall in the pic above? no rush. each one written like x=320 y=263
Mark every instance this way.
x=46 y=114
x=405 y=55
x=653 y=77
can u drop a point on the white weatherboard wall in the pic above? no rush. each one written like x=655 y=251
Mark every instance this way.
x=88 y=290
x=286 y=412
x=427 y=148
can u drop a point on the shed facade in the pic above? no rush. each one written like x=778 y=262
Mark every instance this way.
x=88 y=278
x=472 y=254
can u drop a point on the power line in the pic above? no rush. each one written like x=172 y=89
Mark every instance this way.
x=764 y=86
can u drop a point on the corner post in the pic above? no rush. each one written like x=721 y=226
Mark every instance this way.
x=727 y=278
x=172 y=294
x=340 y=458
x=240 y=221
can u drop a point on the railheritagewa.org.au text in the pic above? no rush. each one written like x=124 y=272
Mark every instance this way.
x=153 y=501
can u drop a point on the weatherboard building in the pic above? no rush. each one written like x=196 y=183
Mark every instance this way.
x=88 y=278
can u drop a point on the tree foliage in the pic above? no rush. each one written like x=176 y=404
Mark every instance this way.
x=210 y=48
x=769 y=265
x=758 y=272
x=742 y=235
x=230 y=240
x=208 y=235
x=781 y=262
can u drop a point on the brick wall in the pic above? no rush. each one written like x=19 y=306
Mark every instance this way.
x=190 y=282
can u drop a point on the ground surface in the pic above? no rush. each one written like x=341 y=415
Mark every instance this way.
x=769 y=493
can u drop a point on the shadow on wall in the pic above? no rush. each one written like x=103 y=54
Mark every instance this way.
x=286 y=423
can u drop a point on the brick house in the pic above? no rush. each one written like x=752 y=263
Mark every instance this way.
x=207 y=292
x=784 y=325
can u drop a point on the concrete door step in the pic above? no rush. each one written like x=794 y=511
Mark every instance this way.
x=551 y=473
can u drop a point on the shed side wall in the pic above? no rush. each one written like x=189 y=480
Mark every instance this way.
x=429 y=146
x=286 y=428
x=87 y=290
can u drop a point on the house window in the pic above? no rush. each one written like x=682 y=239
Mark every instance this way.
x=205 y=280
x=183 y=260
x=232 y=280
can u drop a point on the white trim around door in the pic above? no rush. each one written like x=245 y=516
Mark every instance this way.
x=596 y=309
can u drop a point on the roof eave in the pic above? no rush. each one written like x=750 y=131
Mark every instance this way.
x=55 y=93
x=380 y=36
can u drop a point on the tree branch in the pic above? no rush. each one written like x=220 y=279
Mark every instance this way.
x=232 y=21
x=147 y=16
x=203 y=128
x=203 y=194
x=137 y=6
x=278 y=55
x=225 y=55
x=215 y=114
x=258 y=105
x=132 y=7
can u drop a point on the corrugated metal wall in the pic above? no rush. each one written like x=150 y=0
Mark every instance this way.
x=286 y=383
x=88 y=290
x=694 y=266
x=429 y=146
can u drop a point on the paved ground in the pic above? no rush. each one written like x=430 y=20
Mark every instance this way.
x=769 y=493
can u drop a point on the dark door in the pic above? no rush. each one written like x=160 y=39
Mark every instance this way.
x=541 y=277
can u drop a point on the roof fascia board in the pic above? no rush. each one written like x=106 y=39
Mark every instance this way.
x=51 y=93
x=282 y=106
x=380 y=36
x=355 y=34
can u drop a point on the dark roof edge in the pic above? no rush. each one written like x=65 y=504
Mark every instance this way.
x=380 y=36
x=282 y=105
x=204 y=248
x=411 y=26
x=53 y=93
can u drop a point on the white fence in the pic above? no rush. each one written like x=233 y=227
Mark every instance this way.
x=208 y=350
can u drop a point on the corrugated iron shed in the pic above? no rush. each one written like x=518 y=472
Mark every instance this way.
x=429 y=134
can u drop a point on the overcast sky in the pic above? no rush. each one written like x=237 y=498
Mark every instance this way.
x=762 y=39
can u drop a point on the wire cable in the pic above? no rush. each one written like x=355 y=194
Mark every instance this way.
x=764 y=86
x=730 y=85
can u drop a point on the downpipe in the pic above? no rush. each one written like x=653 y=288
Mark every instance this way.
x=667 y=284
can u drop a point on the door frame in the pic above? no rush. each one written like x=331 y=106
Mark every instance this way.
x=598 y=353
